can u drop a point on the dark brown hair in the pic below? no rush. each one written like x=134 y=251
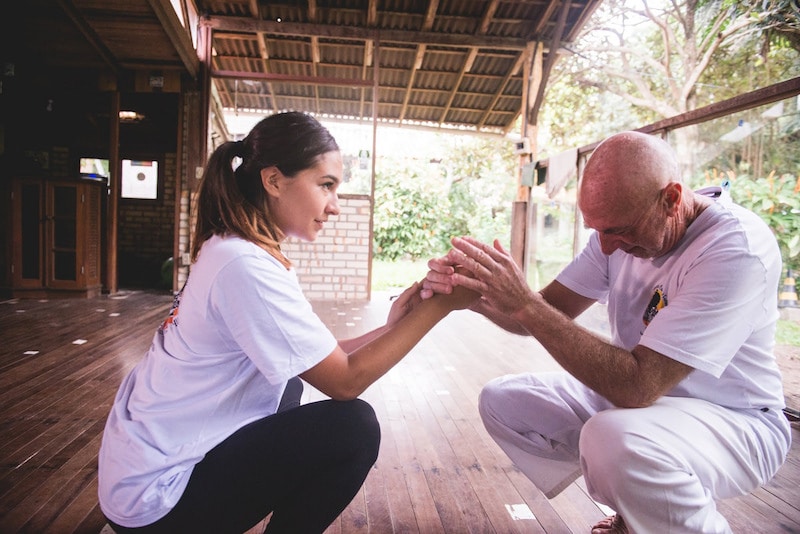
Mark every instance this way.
x=235 y=201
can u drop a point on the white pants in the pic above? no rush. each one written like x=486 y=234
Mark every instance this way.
x=660 y=467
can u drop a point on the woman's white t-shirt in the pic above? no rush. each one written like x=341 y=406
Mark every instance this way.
x=710 y=303
x=238 y=331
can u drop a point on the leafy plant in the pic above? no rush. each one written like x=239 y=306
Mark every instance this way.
x=408 y=217
x=776 y=199
x=420 y=205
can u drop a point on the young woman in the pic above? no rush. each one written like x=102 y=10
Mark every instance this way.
x=206 y=433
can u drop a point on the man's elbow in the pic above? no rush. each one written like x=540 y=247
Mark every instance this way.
x=634 y=398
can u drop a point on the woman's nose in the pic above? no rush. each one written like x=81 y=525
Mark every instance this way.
x=333 y=205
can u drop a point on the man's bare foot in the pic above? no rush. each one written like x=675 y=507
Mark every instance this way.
x=613 y=524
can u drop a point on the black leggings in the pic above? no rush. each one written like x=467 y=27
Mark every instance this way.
x=304 y=464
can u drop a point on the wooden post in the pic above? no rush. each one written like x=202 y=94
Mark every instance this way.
x=114 y=187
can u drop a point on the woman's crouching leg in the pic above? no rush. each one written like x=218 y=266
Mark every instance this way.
x=303 y=465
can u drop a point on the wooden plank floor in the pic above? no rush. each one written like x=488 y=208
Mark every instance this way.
x=438 y=471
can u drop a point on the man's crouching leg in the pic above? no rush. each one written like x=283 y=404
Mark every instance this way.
x=658 y=467
x=531 y=417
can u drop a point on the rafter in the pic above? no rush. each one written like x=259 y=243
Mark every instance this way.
x=500 y=90
x=248 y=25
x=90 y=35
x=555 y=44
x=177 y=35
x=483 y=26
x=263 y=50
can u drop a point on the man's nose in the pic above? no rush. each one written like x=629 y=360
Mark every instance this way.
x=609 y=243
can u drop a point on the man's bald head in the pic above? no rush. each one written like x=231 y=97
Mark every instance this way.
x=627 y=169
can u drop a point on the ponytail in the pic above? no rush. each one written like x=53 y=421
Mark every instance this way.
x=223 y=208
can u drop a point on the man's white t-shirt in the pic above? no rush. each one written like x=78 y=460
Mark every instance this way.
x=239 y=330
x=710 y=303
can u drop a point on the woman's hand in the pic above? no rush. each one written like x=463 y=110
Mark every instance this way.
x=404 y=303
x=440 y=275
x=460 y=297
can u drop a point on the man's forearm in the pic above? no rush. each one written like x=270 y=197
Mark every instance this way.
x=609 y=370
x=500 y=319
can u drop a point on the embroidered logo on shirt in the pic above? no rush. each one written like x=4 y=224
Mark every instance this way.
x=173 y=313
x=657 y=301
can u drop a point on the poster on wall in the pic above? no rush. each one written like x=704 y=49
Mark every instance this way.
x=139 y=179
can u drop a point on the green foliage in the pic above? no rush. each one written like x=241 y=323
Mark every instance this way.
x=788 y=333
x=407 y=216
x=777 y=201
x=397 y=274
x=482 y=174
x=633 y=66
x=419 y=206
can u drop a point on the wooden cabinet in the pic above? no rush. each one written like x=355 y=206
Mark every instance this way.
x=55 y=236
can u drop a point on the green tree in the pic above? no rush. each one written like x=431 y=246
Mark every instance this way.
x=420 y=205
x=778 y=21
x=412 y=211
x=640 y=61
x=481 y=183
x=775 y=198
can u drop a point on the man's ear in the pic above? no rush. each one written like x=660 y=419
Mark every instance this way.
x=673 y=195
x=270 y=179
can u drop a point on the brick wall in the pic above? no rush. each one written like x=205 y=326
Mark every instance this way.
x=146 y=232
x=334 y=267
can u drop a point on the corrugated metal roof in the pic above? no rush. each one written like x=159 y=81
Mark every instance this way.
x=447 y=63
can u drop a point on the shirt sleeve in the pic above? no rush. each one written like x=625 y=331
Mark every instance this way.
x=588 y=273
x=261 y=304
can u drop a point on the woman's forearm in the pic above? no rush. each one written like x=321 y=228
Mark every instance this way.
x=390 y=344
x=351 y=344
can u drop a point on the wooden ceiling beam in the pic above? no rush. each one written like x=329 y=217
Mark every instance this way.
x=274 y=77
x=222 y=88
x=411 y=75
x=263 y=51
x=487 y=17
x=500 y=90
x=221 y=35
x=430 y=38
x=177 y=34
x=466 y=67
x=555 y=44
x=94 y=40
x=541 y=24
x=430 y=15
x=315 y=56
x=427 y=24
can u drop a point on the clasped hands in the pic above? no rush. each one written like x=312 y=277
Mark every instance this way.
x=487 y=270
x=471 y=275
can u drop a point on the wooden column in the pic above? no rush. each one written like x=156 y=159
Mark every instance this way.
x=111 y=283
x=531 y=79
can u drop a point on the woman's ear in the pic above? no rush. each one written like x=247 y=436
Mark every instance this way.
x=270 y=179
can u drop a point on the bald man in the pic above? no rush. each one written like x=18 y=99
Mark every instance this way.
x=683 y=405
